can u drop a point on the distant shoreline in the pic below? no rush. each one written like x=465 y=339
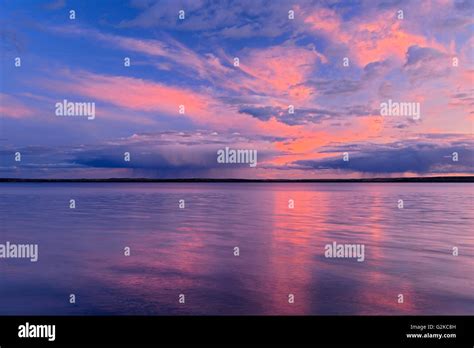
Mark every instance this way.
x=446 y=179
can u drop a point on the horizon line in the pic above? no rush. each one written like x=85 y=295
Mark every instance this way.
x=453 y=179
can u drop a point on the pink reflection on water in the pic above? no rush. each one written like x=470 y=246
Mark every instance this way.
x=381 y=291
x=294 y=248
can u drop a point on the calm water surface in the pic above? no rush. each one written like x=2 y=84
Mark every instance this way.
x=190 y=251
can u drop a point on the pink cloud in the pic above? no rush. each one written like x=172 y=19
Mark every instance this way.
x=281 y=70
x=12 y=107
x=133 y=93
x=368 y=41
x=146 y=96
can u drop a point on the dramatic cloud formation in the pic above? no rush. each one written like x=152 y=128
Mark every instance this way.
x=301 y=83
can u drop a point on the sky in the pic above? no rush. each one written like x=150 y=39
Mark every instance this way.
x=306 y=94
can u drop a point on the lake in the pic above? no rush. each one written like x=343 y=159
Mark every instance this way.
x=191 y=251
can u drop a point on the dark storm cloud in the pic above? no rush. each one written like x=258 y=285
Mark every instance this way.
x=421 y=159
